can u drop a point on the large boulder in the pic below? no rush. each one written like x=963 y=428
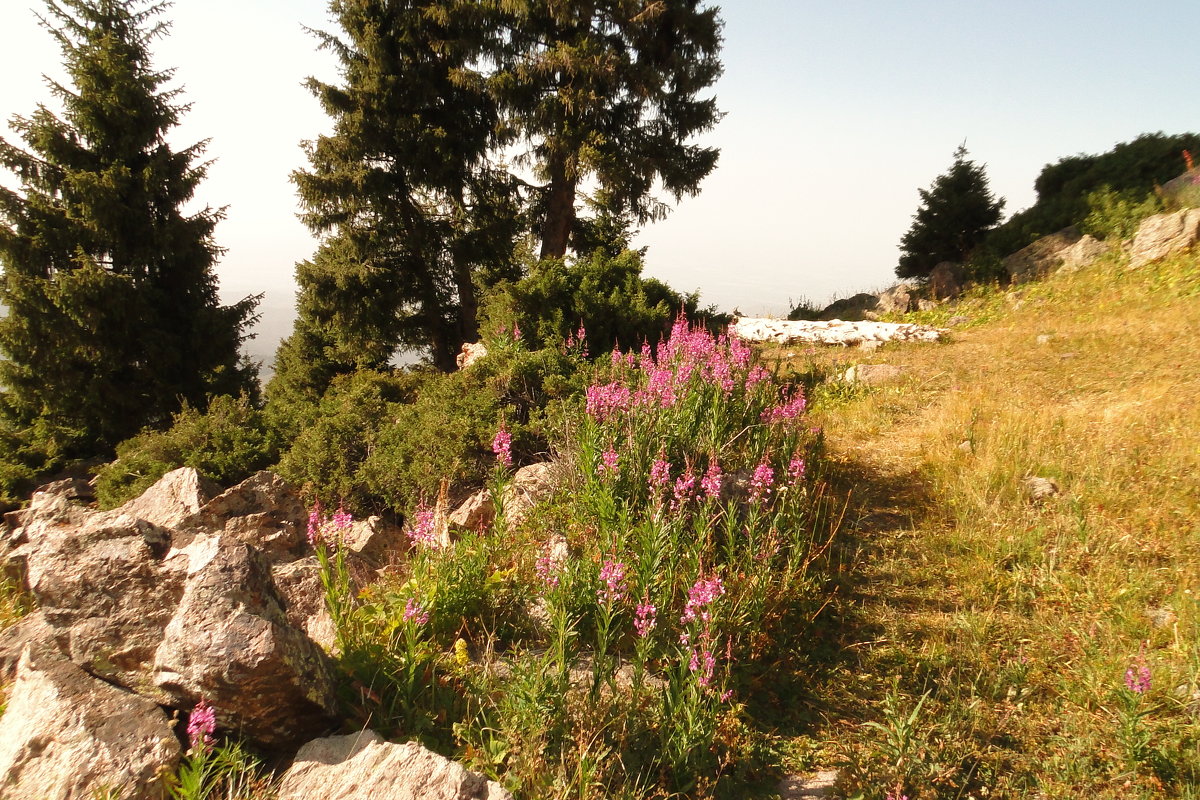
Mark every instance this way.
x=900 y=299
x=173 y=498
x=850 y=308
x=264 y=511
x=529 y=486
x=1083 y=253
x=1042 y=257
x=1165 y=234
x=361 y=766
x=229 y=641
x=945 y=281
x=303 y=595
x=68 y=736
x=470 y=353
x=475 y=513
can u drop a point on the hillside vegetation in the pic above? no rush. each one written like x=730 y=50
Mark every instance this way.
x=979 y=642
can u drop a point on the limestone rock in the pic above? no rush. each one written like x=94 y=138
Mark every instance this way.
x=230 y=642
x=66 y=735
x=850 y=308
x=475 y=513
x=1042 y=257
x=1039 y=489
x=1165 y=234
x=872 y=374
x=375 y=541
x=176 y=496
x=900 y=299
x=303 y=595
x=836 y=332
x=29 y=629
x=470 y=353
x=945 y=281
x=361 y=766
x=926 y=305
x=528 y=486
x=1083 y=253
x=264 y=511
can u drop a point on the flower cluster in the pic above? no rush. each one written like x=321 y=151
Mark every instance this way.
x=327 y=530
x=201 y=724
x=702 y=594
x=796 y=469
x=502 y=447
x=711 y=482
x=660 y=474
x=645 y=619
x=605 y=401
x=762 y=481
x=415 y=613
x=609 y=462
x=612 y=574
x=791 y=408
x=1137 y=676
x=549 y=565
x=423 y=531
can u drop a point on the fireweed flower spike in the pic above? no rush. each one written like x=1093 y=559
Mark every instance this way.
x=502 y=447
x=646 y=618
x=1137 y=676
x=711 y=482
x=612 y=573
x=414 y=612
x=762 y=481
x=609 y=461
x=422 y=532
x=201 y=724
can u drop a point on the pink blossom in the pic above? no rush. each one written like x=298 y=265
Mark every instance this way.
x=516 y=332
x=702 y=595
x=711 y=482
x=1137 y=677
x=422 y=532
x=646 y=618
x=609 y=461
x=702 y=661
x=201 y=724
x=612 y=573
x=762 y=481
x=548 y=566
x=756 y=376
x=414 y=612
x=314 y=524
x=502 y=447
x=788 y=410
x=796 y=469
x=660 y=474
x=685 y=487
x=605 y=401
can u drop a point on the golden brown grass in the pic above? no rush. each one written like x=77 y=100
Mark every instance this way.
x=1017 y=619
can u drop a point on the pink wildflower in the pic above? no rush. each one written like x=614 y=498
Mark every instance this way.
x=605 y=401
x=685 y=487
x=414 y=612
x=756 y=376
x=548 y=566
x=702 y=595
x=646 y=618
x=762 y=481
x=201 y=724
x=516 y=332
x=609 y=461
x=314 y=524
x=788 y=410
x=502 y=447
x=711 y=482
x=342 y=519
x=1137 y=677
x=795 y=470
x=660 y=474
x=702 y=661
x=612 y=573
x=422 y=531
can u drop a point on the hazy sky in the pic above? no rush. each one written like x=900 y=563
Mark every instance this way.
x=836 y=113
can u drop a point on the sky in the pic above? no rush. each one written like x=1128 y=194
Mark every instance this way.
x=836 y=113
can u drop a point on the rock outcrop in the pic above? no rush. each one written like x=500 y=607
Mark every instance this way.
x=66 y=735
x=1042 y=257
x=850 y=308
x=1165 y=234
x=361 y=766
x=173 y=498
x=834 y=332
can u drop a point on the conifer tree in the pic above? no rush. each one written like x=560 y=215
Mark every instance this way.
x=414 y=218
x=955 y=215
x=608 y=91
x=113 y=315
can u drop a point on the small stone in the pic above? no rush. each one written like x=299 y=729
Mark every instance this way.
x=958 y=319
x=1161 y=617
x=870 y=345
x=872 y=374
x=1038 y=489
x=926 y=305
x=966 y=446
x=470 y=353
x=1044 y=339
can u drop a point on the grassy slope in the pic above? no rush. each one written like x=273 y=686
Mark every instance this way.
x=1016 y=621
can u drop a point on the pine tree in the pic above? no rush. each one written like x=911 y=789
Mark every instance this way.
x=955 y=215
x=608 y=91
x=113 y=315
x=413 y=215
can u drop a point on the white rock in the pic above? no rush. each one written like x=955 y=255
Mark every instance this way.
x=832 y=332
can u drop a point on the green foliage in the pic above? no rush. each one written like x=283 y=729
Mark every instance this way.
x=226 y=443
x=113 y=309
x=1131 y=170
x=604 y=297
x=804 y=309
x=222 y=770
x=384 y=441
x=1116 y=215
x=955 y=215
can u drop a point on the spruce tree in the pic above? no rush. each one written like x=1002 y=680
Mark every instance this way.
x=113 y=316
x=414 y=217
x=608 y=91
x=955 y=215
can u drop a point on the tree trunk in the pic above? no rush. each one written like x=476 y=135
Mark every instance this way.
x=560 y=211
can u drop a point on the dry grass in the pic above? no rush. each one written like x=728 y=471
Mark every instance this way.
x=1018 y=619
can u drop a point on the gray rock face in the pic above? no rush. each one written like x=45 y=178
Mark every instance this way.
x=229 y=641
x=529 y=485
x=176 y=496
x=475 y=513
x=362 y=766
x=1165 y=234
x=264 y=511
x=300 y=588
x=66 y=735
x=470 y=353
x=900 y=299
x=945 y=281
x=1083 y=253
x=1042 y=257
x=375 y=541
x=850 y=308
